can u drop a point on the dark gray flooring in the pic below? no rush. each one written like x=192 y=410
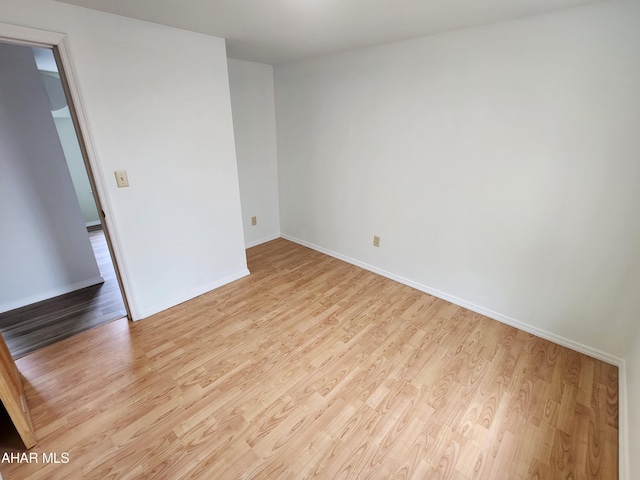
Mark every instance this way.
x=34 y=326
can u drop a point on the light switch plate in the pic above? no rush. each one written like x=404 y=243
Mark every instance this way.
x=121 y=178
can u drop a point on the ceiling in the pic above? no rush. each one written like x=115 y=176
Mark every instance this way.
x=277 y=31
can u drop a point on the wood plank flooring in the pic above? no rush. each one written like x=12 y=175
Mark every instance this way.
x=32 y=327
x=314 y=368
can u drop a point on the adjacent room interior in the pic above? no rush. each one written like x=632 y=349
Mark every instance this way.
x=441 y=230
x=59 y=278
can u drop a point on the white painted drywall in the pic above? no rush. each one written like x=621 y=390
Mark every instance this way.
x=157 y=103
x=46 y=64
x=500 y=166
x=75 y=162
x=254 y=126
x=44 y=247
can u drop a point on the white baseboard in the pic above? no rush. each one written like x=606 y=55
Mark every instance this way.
x=560 y=340
x=55 y=292
x=92 y=223
x=262 y=240
x=196 y=293
x=623 y=424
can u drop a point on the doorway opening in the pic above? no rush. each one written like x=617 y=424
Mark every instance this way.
x=78 y=296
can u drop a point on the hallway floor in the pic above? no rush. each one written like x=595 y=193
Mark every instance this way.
x=34 y=326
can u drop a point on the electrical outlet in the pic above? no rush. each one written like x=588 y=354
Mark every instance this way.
x=376 y=241
x=254 y=221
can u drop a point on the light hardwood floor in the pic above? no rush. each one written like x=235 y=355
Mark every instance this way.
x=313 y=368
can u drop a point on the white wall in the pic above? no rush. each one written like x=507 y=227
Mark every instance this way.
x=75 y=162
x=254 y=125
x=157 y=103
x=500 y=166
x=46 y=64
x=44 y=246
